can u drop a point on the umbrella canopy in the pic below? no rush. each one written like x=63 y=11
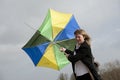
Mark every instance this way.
x=56 y=30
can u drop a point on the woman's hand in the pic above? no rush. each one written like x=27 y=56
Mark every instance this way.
x=62 y=49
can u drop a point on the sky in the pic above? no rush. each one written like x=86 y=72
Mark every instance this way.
x=100 y=18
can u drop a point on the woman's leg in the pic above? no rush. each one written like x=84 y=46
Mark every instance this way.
x=84 y=77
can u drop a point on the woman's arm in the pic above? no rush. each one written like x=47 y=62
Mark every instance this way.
x=66 y=51
x=82 y=53
x=69 y=52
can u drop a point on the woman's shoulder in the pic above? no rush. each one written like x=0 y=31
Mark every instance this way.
x=85 y=44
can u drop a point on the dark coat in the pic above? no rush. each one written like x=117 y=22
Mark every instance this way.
x=84 y=54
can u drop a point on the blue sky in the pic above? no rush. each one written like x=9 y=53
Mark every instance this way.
x=100 y=18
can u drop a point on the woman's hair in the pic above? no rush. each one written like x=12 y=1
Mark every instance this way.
x=85 y=35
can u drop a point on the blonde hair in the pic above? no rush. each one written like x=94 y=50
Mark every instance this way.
x=85 y=35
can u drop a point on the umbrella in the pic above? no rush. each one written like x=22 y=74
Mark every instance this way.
x=56 y=30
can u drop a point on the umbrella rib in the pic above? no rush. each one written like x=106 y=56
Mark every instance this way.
x=64 y=40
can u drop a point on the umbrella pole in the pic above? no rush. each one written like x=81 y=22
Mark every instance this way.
x=30 y=26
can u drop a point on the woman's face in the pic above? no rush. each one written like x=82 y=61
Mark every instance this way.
x=79 y=38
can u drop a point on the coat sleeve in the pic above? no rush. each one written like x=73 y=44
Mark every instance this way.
x=82 y=53
x=69 y=52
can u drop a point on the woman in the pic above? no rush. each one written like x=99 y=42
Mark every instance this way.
x=81 y=58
